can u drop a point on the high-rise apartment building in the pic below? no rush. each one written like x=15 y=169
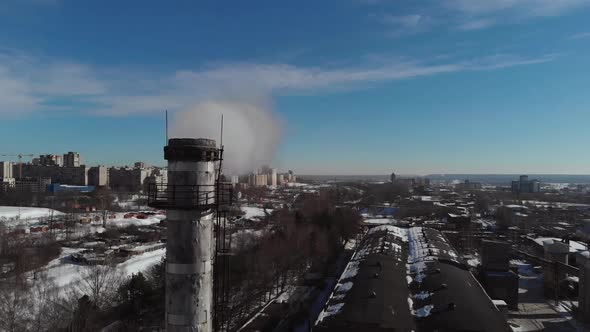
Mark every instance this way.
x=71 y=159
x=98 y=176
x=5 y=169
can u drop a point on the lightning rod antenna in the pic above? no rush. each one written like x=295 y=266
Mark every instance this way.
x=166 y=127
x=221 y=138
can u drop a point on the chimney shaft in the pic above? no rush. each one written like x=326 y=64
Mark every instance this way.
x=190 y=247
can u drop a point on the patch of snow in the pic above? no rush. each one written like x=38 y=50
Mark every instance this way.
x=379 y=221
x=15 y=215
x=350 y=244
x=351 y=270
x=140 y=263
x=422 y=295
x=574 y=245
x=474 y=262
x=424 y=311
x=121 y=221
x=254 y=212
x=330 y=311
x=345 y=287
x=296 y=184
x=338 y=297
x=64 y=272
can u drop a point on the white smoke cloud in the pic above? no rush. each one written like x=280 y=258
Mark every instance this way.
x=251 y=131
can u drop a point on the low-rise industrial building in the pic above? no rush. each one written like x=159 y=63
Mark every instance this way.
x=404 y=279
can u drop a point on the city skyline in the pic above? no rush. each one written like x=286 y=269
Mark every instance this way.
x=349 y=87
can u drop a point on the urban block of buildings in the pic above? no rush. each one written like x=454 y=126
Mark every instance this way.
x=526 y=186
x=268 y=177
x=53 y=173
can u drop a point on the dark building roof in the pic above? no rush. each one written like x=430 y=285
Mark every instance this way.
x=403 y=279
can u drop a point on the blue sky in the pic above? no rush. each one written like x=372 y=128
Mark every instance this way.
x=321 y=87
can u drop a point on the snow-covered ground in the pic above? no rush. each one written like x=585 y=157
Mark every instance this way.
x=61 y=271
x=130 y=203
x=254 y=212
x=141 y=263
x=64 y=272
x=296 y=184
x=379 y=221
x=15 y=215
x=121 y=221
x=544 y=204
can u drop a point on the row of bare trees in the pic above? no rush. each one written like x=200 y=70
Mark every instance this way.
x=35 y=302
x=302 y=240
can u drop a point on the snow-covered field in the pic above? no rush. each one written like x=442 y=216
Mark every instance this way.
x=15 y=215
x=141 y=263
x=61 y=271
x=121 y=221
x=64 y=272
x=254 y=212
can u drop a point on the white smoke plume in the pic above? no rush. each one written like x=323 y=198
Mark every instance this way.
x=251 y=131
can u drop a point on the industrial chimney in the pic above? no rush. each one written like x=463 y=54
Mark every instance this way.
x=190 y=201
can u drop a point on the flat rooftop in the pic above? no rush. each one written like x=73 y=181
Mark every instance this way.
x=403 y=279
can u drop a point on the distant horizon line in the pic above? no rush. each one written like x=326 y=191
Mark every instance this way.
x=445 y=174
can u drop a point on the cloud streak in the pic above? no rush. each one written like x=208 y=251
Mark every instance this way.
x=29 y=84
x=475 y=15
x=476 y=24
x=580 y=35
x=522 y=7
x=467 y=15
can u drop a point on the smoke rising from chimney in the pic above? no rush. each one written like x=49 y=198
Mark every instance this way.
x=251 y=131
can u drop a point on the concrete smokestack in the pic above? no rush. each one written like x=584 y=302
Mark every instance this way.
x=190 y=249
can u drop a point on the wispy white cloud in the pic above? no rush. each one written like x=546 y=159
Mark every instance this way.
x=29 y=84
x=580 y=35
x=408 y=21
x=476 y=24
x=483 y=14
x=523 y=7
x=500 y=61
x=401 y=25
x=474 y=14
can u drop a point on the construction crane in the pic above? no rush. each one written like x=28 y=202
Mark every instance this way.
x=20 y=161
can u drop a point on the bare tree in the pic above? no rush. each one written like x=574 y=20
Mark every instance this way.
x=13 y=307
x=47 y=308
x=100 y=284
x=33 y=307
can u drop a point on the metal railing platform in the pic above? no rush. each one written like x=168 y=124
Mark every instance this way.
x=190 y=197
